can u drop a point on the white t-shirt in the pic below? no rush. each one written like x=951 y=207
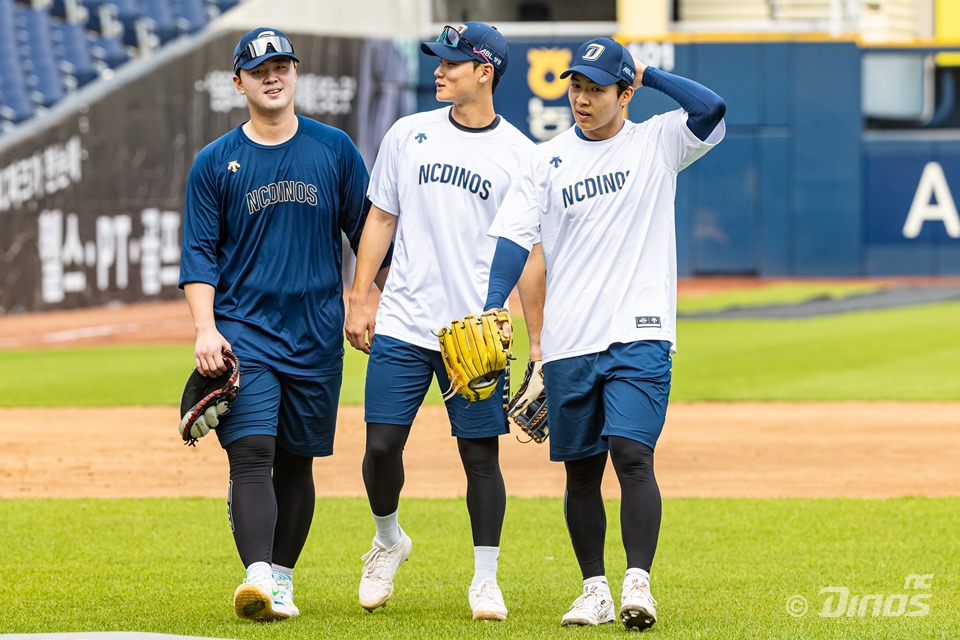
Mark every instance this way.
x=445 y=183
x=605 y=213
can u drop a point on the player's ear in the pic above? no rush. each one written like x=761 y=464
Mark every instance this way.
x=238 y=83
x=626 y=96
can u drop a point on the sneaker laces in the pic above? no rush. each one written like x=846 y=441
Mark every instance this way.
x=487 y=591
x=640 y=590
x=588 y=599
x=375 y=561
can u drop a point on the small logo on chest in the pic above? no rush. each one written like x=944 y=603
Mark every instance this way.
x=233 y=166
x=420 y=137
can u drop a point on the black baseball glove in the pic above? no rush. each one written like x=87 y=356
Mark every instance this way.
x=206 y=399
x=528 y=409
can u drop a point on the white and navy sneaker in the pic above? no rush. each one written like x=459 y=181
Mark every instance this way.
x=486 y=601
x=379 y=567
x=637 y=606
x=594 y=607
x=285 y=584
x=258 y=598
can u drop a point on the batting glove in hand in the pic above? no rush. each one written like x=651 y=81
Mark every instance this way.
x=206 y=399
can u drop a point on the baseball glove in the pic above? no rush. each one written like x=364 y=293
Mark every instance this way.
x=206 y=399
x=475 y=352
x=528 y=409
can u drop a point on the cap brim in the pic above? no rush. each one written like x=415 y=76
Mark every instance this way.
x=598 y=76
x=246 y=66
x=441 y=50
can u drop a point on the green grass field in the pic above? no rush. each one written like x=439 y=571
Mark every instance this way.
x=892 y=354
x=784 y=293
x=724 y=569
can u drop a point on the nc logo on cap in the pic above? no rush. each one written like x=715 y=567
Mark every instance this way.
x=594 y=51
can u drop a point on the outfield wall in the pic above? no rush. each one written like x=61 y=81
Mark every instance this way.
x=91 y=197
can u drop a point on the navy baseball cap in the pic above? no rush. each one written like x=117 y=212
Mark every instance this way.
x=470 y=41
x=603 y=61
x=259 y=45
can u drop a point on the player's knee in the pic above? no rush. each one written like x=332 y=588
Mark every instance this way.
x=586 y=474
x=385 y=441
x=290 y=465
x=480 y=456
x=631 y=458
x=251 y=458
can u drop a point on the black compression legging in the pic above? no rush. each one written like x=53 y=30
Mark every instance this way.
x=640 y=506
x=486 y=496
x=270 y=513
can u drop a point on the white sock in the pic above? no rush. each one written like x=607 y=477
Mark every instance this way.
x=632 y=574
x=262 y=568
x=485 y=564
x=388 y=531
x=601 y=581
x=284 y=571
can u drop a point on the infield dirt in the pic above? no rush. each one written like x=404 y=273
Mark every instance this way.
x=851 y=449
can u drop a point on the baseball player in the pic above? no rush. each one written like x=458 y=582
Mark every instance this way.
x=437 y=182
x=601 y=198
x=265 y=207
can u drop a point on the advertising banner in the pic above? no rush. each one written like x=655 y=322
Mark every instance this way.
x=91 y=209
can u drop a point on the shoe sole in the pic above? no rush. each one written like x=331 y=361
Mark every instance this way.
x=582 y=622
x=372 y=605
x=637 y=618
x=251 y=603
x=489 y=614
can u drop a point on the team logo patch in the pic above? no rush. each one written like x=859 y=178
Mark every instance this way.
x=644 y=322
x=628 y=71
x=420 y=137
x=594 y=51
x=555 y=161
x=233 y=166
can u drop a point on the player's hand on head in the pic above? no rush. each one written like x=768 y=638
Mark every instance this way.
x=639 y=67
x=359 y=327
x=207 y=353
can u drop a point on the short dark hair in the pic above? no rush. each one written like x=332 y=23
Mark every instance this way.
x=622 y=85
x=496 y=76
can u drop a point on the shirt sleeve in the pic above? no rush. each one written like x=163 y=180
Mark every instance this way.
x=353 y=187
x=384 y=191
x=201 y=225
x=518 y=218
x=676 y=144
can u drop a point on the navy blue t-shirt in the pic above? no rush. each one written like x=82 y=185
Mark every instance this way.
x=262 y=225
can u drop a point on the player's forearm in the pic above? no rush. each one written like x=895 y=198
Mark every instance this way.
x=374 y=245
x=705 y=108
x=505 y=271
x=200 y=300
x=533 y=293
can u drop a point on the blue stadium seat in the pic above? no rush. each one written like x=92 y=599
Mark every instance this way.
x=225 y=5
x=15 y=105
x=164 y=22
x=192 y=14
x=37 y=58
x=70 y=47
x=110 y=51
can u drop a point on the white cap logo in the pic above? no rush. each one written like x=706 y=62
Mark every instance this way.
x=593 y=52
x=266 y=34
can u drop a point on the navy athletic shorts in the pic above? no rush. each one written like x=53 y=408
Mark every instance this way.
x=300 y=411
x=398 y=377
x=622 y=391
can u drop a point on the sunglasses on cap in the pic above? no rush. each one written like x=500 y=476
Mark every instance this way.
x=450 y=37
x=261 y=46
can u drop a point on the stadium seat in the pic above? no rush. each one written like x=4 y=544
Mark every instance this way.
x=192 y=14
x=164 y=22
x=15 y=105
x=70 y=47
x=111 y=51
x=37 y=57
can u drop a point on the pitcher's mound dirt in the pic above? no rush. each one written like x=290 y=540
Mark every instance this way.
x=852 y=449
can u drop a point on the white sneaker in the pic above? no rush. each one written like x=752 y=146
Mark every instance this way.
x=486 y=600
x=379 y=567
x=637 y=606
x=594 y=607
x=258 y=597
x=285 y=584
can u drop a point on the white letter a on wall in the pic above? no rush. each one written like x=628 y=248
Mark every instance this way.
x=932 y=183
